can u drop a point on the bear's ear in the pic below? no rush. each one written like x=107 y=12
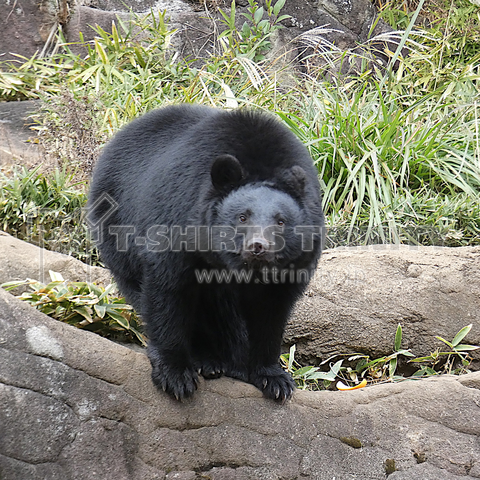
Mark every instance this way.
x=227 y=173
x=294 y=179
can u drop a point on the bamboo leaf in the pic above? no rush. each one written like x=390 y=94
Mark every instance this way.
x=122 y=321
x=461 y=335
x=84 y=311
x=100 y=310
x=444 y=341
x=465 y=348
x=291 y=357
x=278 y=6
x=398 y=338
x=301 y=372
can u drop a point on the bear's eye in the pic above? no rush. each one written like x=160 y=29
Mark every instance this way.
x=281 y=223
x=242 y=218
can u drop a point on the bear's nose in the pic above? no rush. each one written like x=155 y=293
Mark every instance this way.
x=258 y=246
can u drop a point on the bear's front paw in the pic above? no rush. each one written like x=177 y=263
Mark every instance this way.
x=179 y=381
x=274 y=382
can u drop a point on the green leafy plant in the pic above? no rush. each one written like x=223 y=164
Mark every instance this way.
x=384 y=155
x=252 y=40
x=47 y=210
x=130 y=71
x=383 y=369
x=124 y=57
x=446 y=362
x=308 y=377
x=379 y=369
x=84 y=305
x=26 y=77
x=449 y=38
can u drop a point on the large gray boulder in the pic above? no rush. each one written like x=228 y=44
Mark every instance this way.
x=360 y=295
x=20 y=260
x=353 y=304
x=76 y=406
x=26 y=26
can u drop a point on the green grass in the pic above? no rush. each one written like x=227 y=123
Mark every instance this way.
x=46 y=210
x=389 y=161
x=398 y=151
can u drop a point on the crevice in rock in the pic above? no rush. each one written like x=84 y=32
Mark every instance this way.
x=212 y=465
x=33 y=463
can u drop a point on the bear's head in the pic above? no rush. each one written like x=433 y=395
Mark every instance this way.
x=255 y=222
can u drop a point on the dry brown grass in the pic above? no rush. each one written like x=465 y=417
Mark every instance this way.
x=69 y=133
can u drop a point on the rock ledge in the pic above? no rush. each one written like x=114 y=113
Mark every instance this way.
x=77 y=406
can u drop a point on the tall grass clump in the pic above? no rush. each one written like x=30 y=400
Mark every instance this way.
x=390 y=162
x=397 y=149
x=46 y=210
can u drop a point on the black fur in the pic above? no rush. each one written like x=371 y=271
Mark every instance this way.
x=197 y=166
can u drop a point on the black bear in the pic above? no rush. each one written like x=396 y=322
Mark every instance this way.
x=210 y=221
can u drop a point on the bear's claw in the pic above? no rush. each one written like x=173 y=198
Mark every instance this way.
x=210 y=369
x=179 y=383
x=274 y=383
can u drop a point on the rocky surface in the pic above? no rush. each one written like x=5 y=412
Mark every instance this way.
x=29 y=26
x=76 y=406
x=26 y=26
x=360 y=295
x=354 y=303
x=21 y=260
x=17 y=140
